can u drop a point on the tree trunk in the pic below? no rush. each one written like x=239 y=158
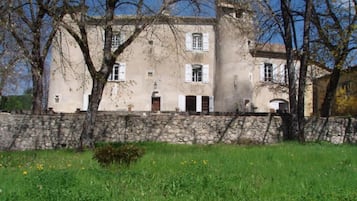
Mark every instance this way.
x=288 y=41
x=87 y=135
x=325 y=110
x=303 y=72
x=37 y=91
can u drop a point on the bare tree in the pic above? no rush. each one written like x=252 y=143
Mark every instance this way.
x=33 y=30
x=78 y=26
x=304 y=57
x=9 y=78
x=334 y=24
x=282 y=21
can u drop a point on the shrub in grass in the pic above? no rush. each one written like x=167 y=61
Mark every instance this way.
x=123 y=155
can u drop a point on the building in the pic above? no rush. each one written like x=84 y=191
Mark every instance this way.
x=345 y=101
x=195 y=65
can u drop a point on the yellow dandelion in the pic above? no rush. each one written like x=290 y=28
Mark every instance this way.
x=24 y=172
x=39 y=167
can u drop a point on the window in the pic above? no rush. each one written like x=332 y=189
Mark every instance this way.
x=118 y=72
x=196 y=73
x=198 y=103
x=116 y=40
x=197 y=41
x=268 y=72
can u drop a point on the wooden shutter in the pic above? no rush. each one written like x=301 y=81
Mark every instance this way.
x=211 y=104
x=198 y=103
x=262 y=73
x=282 y=73
x=205 y=73
x=122 y=37
x=276 y=71
x=122 y=71
x=182 y=103
x=189 y=41
x=205 y=42
x=85 y=101
x=188 y=73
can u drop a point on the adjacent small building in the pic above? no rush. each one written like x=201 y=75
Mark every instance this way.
x=345 y=100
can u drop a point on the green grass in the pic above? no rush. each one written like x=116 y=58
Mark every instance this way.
x=286 y=171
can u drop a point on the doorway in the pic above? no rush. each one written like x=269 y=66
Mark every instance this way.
x=155 y=104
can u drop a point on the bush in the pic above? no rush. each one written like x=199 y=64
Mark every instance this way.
x=123 y=155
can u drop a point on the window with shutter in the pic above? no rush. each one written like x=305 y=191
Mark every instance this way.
x=116 y=40
x=196 y=73
x=118 y=72
x=268 y=72
x=197 y=41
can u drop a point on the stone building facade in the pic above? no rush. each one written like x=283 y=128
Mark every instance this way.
x=198 y=65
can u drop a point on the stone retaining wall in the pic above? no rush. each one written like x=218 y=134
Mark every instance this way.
x=21 y=132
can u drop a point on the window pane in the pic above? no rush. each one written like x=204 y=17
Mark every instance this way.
x=116 y=40
x=268 y=72
x=197 y=41
x=197 y=73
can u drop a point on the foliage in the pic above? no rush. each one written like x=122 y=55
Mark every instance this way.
x=186 y=172
x=123 y=155
x=10 y=103
x=345 y=104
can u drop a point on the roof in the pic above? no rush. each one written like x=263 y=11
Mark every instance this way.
x=162 y=19
x=268 y=50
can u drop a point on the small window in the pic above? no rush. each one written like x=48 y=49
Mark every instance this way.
x=118 y=73
x=268 y=72
x=57 y=99
x=197 y=41
x=150 y=74
x=116 y=40
x=196 y=73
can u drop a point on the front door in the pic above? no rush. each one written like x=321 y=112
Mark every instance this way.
x=155 y=104
x=191 y=103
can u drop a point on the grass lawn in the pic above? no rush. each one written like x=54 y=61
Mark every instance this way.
x=287 y=171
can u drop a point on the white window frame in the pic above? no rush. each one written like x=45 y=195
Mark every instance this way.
x=118 y=72
x=197 y=73
x=197 y=41
x=268 y=72
x=116 y=40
